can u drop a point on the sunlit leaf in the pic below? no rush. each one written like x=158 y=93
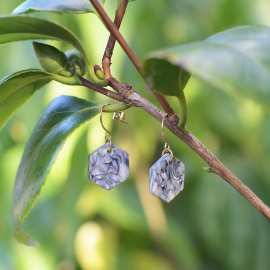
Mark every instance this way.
x=236 y=61
x=17 y=88
x=22 y=27
x=63 y=115
x=56 y=6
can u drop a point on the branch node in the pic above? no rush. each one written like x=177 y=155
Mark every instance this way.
x=174 y=119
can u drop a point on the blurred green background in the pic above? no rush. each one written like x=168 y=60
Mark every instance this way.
x=208 y=225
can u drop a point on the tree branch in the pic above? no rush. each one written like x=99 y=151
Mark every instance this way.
x=132 y=98
x=100 y=90
x=115 y=32
x=106 y=60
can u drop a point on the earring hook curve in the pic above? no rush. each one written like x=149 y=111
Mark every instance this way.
x=167 y=145
x=108 y=135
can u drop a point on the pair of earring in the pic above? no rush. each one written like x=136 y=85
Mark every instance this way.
x=108 y=166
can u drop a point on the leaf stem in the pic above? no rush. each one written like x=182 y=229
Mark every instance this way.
x=116 y=107
x=182 y=106
x=74 y=80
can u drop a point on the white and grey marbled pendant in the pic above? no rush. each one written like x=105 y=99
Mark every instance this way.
x=167 y=179
x=108 y=169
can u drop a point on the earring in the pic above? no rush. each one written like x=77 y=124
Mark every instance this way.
x=167 y=174
x=108 y=166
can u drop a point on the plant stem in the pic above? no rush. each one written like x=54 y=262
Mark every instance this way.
x=101 y=90
x=115 y=107
x=182 y=105
x=132 y=98
x=115 y=32
x=106 y=60
x=182 y=113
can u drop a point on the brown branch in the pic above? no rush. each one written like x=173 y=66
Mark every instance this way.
x=115 y=32
x=106 y=60
x=100 y=90
x=132 y=98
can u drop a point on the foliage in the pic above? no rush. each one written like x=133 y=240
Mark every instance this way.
x=203 y=228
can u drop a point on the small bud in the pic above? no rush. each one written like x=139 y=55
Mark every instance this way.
x=207 y=169
x=77 y=61
x=100 y=74
x=52 y=60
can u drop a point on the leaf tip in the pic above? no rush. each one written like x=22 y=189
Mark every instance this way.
x=25 y=239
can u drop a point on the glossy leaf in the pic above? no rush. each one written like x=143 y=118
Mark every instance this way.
x=56 y=6
x=17 y=88
x=63 y=115
x=21 y=27
x=235 y=61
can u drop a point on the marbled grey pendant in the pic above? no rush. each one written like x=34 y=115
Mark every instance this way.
x=167 y=179
x=108 y=169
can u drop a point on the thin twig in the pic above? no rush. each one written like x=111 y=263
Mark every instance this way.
x=115 y=32
x=101 y=90
x=106 y=60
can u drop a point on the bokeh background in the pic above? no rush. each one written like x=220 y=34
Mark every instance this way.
x=80 y=225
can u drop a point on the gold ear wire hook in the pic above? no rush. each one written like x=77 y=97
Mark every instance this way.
x=167 y=145
x=108 y=135
x=119 y=116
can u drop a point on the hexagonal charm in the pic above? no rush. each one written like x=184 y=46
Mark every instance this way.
x=108 y=169
x=167 y=179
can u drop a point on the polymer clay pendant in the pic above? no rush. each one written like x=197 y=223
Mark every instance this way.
x=108 y=169
x=167 y=178
x=167 y=174
x=108 y=166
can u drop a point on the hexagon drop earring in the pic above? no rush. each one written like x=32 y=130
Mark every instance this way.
x=167 y=174
x=108 y=166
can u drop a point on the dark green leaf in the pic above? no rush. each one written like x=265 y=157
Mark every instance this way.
x=21 y=27
x=56 y=6
x=235 y=61
x=164 y=76
x=17 y=88
x=63 y=115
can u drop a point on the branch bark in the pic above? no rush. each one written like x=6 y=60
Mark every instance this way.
x=134 y=99
x=113 y=28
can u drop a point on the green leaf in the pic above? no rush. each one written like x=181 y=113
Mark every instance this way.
x=17 y=88
x=162 y=75
x=56 y=6
x=236 y=61
x=63 y=115
x=21 y=27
